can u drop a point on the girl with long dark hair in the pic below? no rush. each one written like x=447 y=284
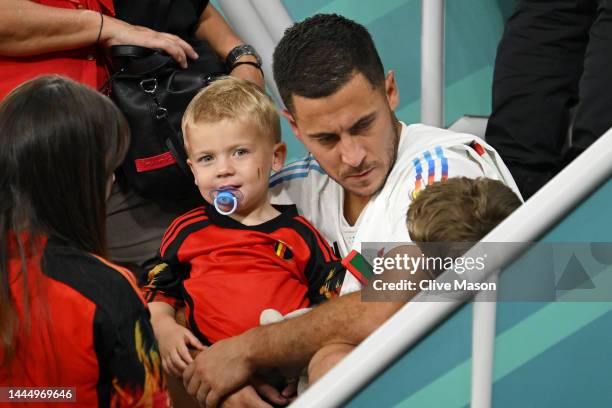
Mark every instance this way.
x=68 y=317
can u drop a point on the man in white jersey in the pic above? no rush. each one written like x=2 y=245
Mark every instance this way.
x=368 y=166
x=425 y=154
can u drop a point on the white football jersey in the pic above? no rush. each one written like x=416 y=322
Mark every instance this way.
x=425 y=154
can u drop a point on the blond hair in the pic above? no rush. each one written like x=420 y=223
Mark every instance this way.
x=459 y=210
x=234 y=99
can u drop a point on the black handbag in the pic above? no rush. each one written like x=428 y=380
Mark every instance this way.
x=153 y=91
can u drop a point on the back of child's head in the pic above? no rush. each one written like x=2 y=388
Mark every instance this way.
x=459 y=210
x=233 y=99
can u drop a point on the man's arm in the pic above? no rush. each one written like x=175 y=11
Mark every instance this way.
x=228 y=364
x=213 y=28
x=293 y=342
x=28 y=28
x=343 y=321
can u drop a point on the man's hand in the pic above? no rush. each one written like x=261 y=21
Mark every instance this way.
x=246 y=397
x=117 y=32
x=219 y=370
x=250 y=396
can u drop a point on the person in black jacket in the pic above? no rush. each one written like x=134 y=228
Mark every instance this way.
x=553 y=56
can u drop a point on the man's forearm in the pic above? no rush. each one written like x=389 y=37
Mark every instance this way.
x=213 y=29
x=345 y=320
x=228 y=364
x=28 y=28
x=291 y=343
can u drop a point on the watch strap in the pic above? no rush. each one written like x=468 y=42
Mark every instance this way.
x=252 y=63
x=234 y=55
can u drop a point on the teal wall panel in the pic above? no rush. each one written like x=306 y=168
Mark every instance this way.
x=437 y=362
x=554 y=380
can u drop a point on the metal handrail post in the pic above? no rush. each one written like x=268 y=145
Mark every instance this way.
x=484 y=320
x=275 y=17
x=432 y=62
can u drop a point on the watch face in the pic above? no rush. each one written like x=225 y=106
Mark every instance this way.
x=241 y=50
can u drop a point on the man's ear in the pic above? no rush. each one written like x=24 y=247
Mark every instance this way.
x=293 y=123
x=190 y=164
x=280 y=154
x=391 y=90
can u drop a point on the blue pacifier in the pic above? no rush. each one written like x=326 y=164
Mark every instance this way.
x=226 y=201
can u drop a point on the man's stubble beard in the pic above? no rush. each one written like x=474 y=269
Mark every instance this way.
x=397 y=129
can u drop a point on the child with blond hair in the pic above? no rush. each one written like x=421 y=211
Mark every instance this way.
x=237 y=254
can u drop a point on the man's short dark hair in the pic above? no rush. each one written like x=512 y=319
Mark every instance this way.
x=319 y=55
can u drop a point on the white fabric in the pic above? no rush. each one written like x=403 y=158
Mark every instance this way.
x=349 y=231
x=320 y=199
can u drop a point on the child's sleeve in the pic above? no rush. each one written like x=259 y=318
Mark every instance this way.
x=165 y=280
x=324 y=271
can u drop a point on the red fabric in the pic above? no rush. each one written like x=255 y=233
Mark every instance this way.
x=73 y=357
x=238 y=278
x=154 y=162
x=83 y=65
x=479 y=149
x=228 y=273
x=83 y=331
x=346 y=262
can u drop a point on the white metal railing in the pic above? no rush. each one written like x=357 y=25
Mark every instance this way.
x=432 y=62
x=396 y=336
x=275 y=17
x=484 y=320
x=260 y=23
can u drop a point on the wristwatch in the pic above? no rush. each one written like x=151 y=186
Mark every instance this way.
x=239 y=51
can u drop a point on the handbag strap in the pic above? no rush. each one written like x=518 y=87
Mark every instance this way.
x=136 y=60
x=131 y=51
x=176 y=147
x=173 y=138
